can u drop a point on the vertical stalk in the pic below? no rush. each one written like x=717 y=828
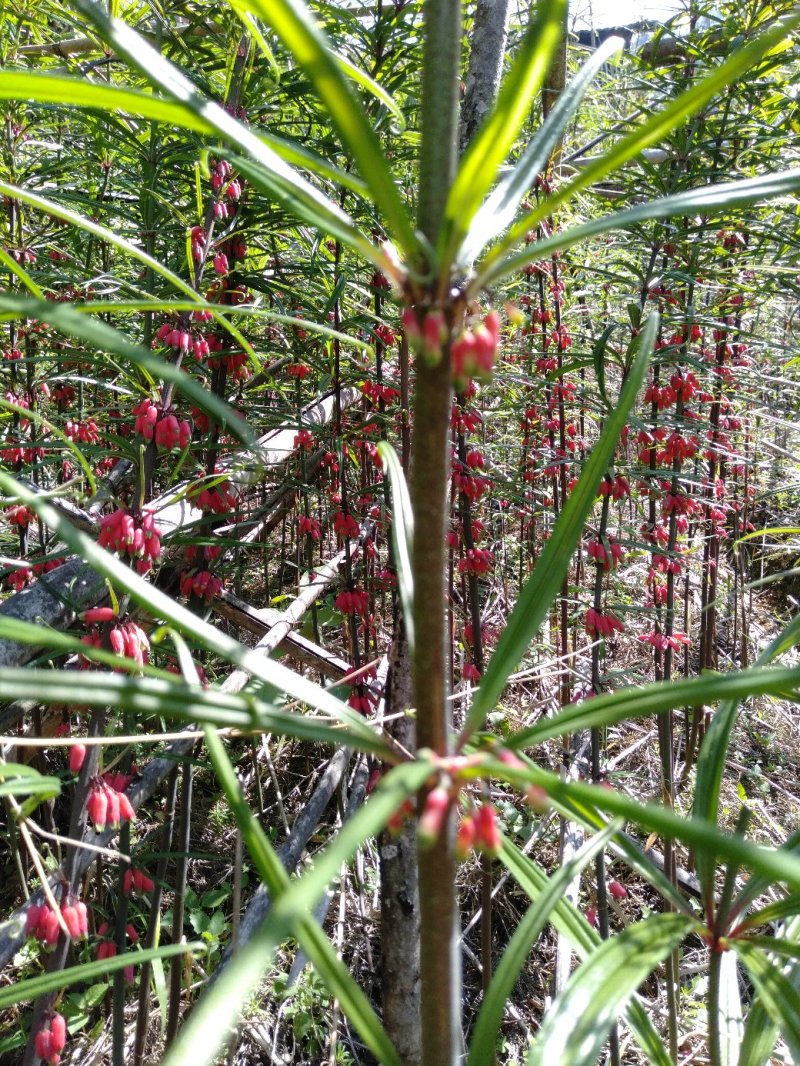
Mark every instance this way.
x=440 y=969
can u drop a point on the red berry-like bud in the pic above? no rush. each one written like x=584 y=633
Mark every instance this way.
x=49 y=928
x=617 y=890
x=113 y=808
x=97 y=806
x=72 y=921
x=434 y=814
x=58 y=1034
x=77 y=754
x=126 y=811
x=42 y=1044
x=465 y=837
x=487 y=833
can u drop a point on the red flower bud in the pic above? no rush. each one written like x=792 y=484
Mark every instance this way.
x=77 y=754
x=434 y=814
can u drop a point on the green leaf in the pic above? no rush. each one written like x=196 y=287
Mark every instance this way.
x=628 y=703
x=105 y=338
x=151 y=696
x=373 y=87
x=714 y=752
x=10 y=263
x=252 y=27
x=296 y=26
x=760 y=1031
x=705 y=200
x=478 y=169
x=777 y=864
x=497 y=212
x=402 y=535
x=44 y=984
x=776 y=993
x=583 y=939
x=653 y=131
x=545 y=582
x=577 y=1025
x=185 y=621
x=289 y=914
x=286 y=184
x=16 y=779
x=498 y=994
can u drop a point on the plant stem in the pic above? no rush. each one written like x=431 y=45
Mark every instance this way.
x=440 y=963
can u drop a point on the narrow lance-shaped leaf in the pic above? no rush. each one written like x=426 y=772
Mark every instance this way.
x=774 y=863
x=286 y=184
x=702 y=201
x=44 y=984
x=569 y=921
x=478 y=169
x=14 y=267
x=760 y=1031
x=497 y=212
x=168 y=697
x=629 y=703
x=296 y=26
x=779 y=997
x=221 y=1006
x=498 y=994
x=654 y=130
x=577 y=1025
x=544 y=583
x=156 y=602
x=16 y=779
x=713 y=756
x=402 y=535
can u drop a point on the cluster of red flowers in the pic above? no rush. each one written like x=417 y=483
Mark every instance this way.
x=607 y=559
x=661 y=641
x=473 y=353
x=600 y=624
x=136 y=880
x=220 y=499
x=154 y=423
x=308 y=526
x=108 y=805
x=303 y=440
x=202 y=584
x=107 y=949
x=617 y=487
x=50 y=1040
x=476 y=561
x=42 y=922
x=478 y=831
x=131 y=535
x=345 y=525
x=355 y=602
x=19 y=516
x=126 y=639
x=83 y=432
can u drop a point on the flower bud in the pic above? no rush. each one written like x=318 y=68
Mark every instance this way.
x=77 y=754
x=434 y=815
